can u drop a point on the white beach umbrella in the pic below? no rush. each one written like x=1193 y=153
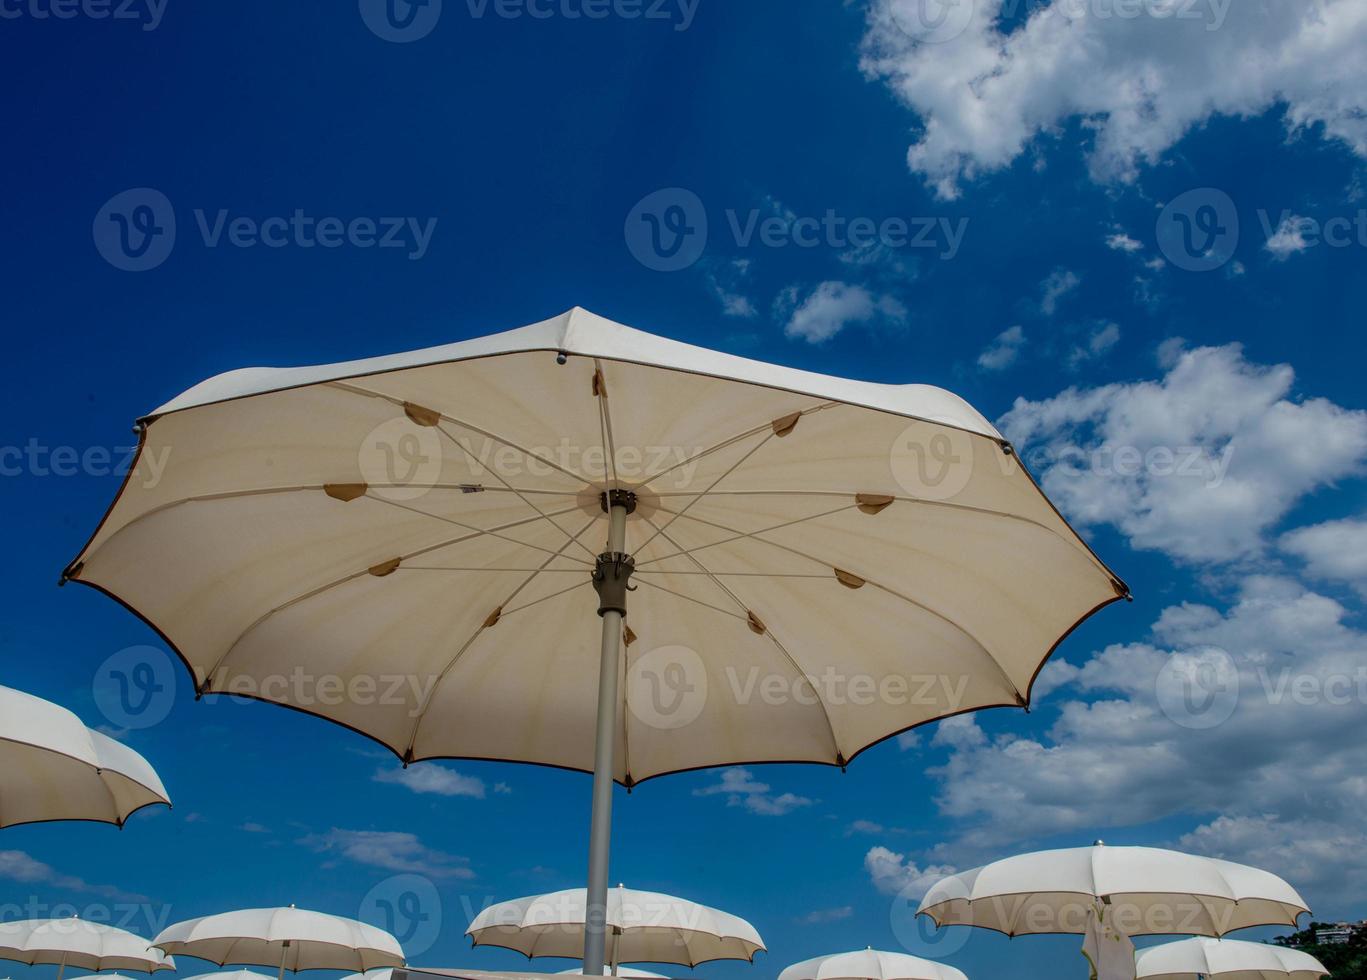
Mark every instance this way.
x=252 y=975
x=52 y=767
x=1146 y=890
x=80 y=944
x=870 y=964
x=631 y=973
x=644 y=927
x=285 y=938
x=819 y=563
x=1227 y=959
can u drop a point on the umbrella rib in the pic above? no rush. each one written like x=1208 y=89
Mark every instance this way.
x=1020 y=695
x=730 y=441
x=208 y=677
x=736 y=535
x=659 y=530
x=492 y=532
x=689 y=598
x=605 y=425
x=432 y=691
x=835 y=740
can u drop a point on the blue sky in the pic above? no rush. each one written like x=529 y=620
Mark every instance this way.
x=1040 y=179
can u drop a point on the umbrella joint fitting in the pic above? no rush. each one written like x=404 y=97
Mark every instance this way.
x=611 y=580
x=625 y=499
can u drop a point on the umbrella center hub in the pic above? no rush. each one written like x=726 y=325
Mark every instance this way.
x=612 y=581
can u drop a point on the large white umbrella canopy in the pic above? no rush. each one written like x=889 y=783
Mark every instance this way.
x=284 y=938
x=1227 y=959
x=1148 y=891
x=870 y=964
x=410 y=545
x=52 y=767
x=80 y=944
x=645 y=927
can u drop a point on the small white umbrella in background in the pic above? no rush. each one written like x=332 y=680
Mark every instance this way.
x=252 y=975
x=285 y=938
x=52 y=767
x=643 y=927
x=1227 y=959
x=80 y=944
x=631 y=973
x=468 y=518
x=870 y=964
x=1110 y=895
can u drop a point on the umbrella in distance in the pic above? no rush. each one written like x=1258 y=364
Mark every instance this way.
x=1226 y=959
x=81 y=944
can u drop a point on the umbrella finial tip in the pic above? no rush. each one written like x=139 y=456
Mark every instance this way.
x=1099 y=843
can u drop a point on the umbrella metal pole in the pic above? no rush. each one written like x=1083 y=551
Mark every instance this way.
x=610 y=579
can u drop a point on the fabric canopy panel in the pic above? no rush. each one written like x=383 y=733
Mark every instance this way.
x=1148 y=891
x=1226 y=959
x=404 y=545
x=54 y=768
x=645 y=927
x=870 y=964
x=287 y=938
x=79 y=944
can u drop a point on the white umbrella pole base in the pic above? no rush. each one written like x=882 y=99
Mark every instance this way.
x=611 y=580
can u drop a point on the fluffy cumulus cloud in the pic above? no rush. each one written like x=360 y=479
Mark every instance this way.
x=430 y=778
x=1288 y=239
x=1004 y=351
x=24 y=869
x=1247 y=720
x=1199 y=464
x=389 y=850
x=988 y=83
x=893 y=873
x=1335 y=551
x=740 y=788
x=833 y=306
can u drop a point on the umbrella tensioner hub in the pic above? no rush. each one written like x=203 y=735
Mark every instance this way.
x=612 y=573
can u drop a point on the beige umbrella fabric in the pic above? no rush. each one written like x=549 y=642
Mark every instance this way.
x=645 y=927
x=1146 y=891
x=283 y=938
x=420 y=531
x=870 y=964
x=54 y=768
x=1226 y=959
x=80 y=944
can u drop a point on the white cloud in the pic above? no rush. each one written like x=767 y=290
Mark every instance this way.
x=1269 y=742
x=897 y=874
x=1003 y=351
x=1288 y=239
x=251 y=827
x=432 y=778
x=960 y=732
x=1137 y=84
x=1098 y=344
x=727 y=282
x=1057 y=285
x=833 y=306
x=741 y=789
x=864 y=827
x=390 y=850
x=1335 y=551
x=1122 y=242
x=21 y=867
x=1199 y=464
x=822 y=916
